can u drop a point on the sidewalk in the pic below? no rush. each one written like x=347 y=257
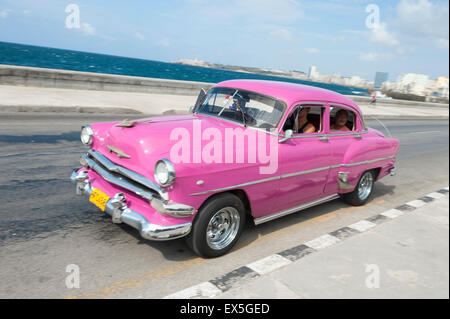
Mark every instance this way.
x=40 y=99
x=400 y=253
x=410 y=253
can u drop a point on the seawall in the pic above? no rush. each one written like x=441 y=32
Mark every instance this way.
x=65 y=79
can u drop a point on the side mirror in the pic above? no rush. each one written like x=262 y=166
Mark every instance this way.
x=287 y=135
x=191 y=109
x=200 y=98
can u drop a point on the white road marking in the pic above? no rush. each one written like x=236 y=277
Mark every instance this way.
x=424 y=132
x=416 y=203
x=362 y=225
x=435 y=195
x=205 y=289
x=268 y=264
x=392 y=213
x=322 y=242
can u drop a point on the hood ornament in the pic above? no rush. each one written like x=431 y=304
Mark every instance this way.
x=119 y=152
x=128 y=123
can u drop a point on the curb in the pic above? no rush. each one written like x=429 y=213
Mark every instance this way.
x=79 y=109
x=404 y=117
x=237 y=277
x=66 y=109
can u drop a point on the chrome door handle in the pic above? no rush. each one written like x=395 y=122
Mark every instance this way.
x=358 y=136
x=324 y=139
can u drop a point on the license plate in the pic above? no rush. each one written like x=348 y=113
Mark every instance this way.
x=99 y=199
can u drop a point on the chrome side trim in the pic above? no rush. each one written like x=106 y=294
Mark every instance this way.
x=364 y=162
x=291 y=175
x=309 y=135
x=270 y=217
x=356 y=133
x=330 y=134
x=314 y=170
x=237 y=186
x=128 y=173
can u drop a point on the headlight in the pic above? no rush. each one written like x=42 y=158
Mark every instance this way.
x=164 y=172
x=86 y=135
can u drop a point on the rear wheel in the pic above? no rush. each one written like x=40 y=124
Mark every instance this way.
x=218 y=226
x=362 y=191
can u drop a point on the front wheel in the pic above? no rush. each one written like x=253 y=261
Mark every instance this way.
x=362 y=191
x=218 y=226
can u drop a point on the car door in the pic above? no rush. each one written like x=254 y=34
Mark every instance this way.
x=304 y=162
x=341 y=143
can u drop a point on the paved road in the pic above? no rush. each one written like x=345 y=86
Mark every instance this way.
x=44 y=227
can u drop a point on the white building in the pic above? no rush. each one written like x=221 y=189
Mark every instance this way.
x=356 y=81
x=412 y=83
x=389 y=86
x=313 y=74
x=441 y=86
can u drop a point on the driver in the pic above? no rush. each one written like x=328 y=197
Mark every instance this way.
x=303 y=124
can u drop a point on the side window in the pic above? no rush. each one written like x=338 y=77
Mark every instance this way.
x=342 y=120
x=305 y=119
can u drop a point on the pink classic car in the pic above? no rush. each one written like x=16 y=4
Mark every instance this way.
x=247 y=149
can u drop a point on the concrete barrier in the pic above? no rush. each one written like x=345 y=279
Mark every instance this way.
x=54 y=78
x=397 y=103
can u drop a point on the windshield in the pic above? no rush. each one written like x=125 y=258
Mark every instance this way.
x=249 y=108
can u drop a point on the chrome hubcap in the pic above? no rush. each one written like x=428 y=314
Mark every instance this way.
x=365 y=186
x=222 y=228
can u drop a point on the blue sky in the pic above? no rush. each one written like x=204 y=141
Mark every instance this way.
x=411 y=36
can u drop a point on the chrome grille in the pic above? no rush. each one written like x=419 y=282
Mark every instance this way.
x=124 y=177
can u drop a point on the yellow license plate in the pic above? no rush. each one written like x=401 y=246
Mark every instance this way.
x=99 y=199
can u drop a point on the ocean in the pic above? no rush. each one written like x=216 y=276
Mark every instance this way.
x=42 y=57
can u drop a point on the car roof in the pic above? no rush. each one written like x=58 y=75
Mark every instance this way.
x=290 y=92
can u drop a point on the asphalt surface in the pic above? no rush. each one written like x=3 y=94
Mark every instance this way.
x=44 y=226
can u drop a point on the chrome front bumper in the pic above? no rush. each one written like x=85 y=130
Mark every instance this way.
x=120 y=213
x=140 y=185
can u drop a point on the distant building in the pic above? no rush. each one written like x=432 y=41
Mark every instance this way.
x=313 y=74
x=380 y=78
x=412 y=83
x=441 y=86
x=389 y=86
x=357 y=82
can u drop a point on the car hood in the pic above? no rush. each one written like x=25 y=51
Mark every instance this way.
x=151 y=138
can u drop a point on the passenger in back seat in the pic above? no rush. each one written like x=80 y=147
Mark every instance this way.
x=340 y=121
